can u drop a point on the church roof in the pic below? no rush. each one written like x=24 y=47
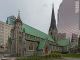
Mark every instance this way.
x=63 y=42
x=32 y=31
x=42 y=44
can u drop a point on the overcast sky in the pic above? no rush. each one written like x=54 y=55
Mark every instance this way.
x=36 y=13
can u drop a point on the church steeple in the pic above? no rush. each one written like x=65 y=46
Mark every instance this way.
x=53 y=21
x=53 y=29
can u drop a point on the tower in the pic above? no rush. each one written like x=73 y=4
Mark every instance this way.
x=53 y=28
x=17 y=37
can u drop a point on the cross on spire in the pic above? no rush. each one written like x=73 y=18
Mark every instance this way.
x=18 y=14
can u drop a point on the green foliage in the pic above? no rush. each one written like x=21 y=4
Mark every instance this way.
x=72 y=55
x=31 y=58
x=51 y=56
x=54 y=54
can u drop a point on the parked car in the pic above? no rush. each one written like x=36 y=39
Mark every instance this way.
x=6 y=55
x=4 y=59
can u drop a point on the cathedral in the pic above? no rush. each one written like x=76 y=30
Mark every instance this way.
x=25 y=40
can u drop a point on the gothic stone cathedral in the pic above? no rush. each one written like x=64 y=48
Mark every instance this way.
x=26 y=40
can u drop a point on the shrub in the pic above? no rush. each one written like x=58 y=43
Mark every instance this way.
x=54 y=54
x=46 y=57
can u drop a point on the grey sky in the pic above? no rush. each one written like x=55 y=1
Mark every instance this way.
x=36 y=13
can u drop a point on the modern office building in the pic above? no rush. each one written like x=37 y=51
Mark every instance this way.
x=74 y=43
x=68 y=17
x=74 y=40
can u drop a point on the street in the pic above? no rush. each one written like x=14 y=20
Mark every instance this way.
x=12 y=58
x=71 y=58
x=8 y=58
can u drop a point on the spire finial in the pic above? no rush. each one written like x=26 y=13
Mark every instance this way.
x=18 y=17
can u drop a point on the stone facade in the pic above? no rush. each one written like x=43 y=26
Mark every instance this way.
x=4 y=34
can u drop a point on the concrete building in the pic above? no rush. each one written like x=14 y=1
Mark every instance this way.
x=74 y=40
x=68 y=17
x=4 y=34
x=74 y=43
x=61 y=35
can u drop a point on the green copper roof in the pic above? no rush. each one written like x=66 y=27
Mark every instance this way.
x=32 y=31
x=63 y=42
x=42 y=44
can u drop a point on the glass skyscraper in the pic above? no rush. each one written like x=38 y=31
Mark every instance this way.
x=68 y=17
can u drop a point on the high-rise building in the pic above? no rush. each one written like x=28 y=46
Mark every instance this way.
x=74 y=43
x=74 y=40
x=68 y=17
x=4 y=34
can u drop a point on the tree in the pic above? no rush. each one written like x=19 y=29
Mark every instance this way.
x=79 y=44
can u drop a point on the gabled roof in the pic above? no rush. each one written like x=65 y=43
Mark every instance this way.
x=32 y=31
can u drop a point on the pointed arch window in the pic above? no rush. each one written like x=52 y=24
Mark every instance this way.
x=31 y=46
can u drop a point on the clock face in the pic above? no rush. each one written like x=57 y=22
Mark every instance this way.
x=76 y=6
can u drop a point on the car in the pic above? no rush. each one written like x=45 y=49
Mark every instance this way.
x=4 y=59
x=6 y=55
